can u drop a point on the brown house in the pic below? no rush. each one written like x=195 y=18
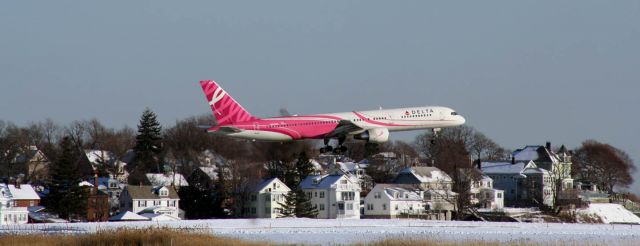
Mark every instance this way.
x=24 y=195
x=97 y=204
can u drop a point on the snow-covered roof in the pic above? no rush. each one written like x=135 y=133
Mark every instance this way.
x=128 y=216
x=351 y=167
x=427 y=174
x=25 y=192
x=268 y=182
x=211 y=172
x=385 y=155
x=535 y=153
x=159 y=217
x=505 y=167
x=401 y=194
x=321 y=181
x=161 y=179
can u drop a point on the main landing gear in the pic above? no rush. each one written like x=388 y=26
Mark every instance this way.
x=337 y=150
x=434 y=136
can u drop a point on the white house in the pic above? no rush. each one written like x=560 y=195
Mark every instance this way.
x=149 y=199
x=335 y=195
x=9 y=214
x=265 y=199
x=393 y=201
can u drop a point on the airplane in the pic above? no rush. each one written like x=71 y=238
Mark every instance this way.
x=371 y=126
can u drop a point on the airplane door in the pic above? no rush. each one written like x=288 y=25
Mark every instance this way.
x=441 y=112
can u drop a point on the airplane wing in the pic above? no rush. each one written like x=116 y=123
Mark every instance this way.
x=344 y=128
x=229 y=129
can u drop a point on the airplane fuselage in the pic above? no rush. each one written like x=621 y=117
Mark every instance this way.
x=320 y=126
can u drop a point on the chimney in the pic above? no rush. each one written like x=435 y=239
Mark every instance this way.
x=548 y=145
x=479 y=164
x=17 y=183
x=513 y=160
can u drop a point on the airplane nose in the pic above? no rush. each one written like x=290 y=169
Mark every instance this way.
x=462 y=120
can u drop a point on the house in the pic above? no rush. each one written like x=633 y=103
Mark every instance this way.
x=98 y=207
x=335 y=195
x=95 y=160
x=523 y=182
x=483 y=195
x=10 y=214
x=36 y=163
x=427 y=178
x=205 y=177
x=167 y=179
x=143 y=198
x=23 y=195
x=394 y=201
x=557 y=164
x=265 y=198
x=113 y=188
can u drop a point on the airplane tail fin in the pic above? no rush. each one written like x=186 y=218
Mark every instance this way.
x=225 y=109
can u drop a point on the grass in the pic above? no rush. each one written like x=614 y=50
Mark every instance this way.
x=152 y=237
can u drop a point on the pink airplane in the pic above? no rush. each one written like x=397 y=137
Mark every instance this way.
x=372 y=126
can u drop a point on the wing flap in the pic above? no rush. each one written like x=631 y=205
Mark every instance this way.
x=344 y=127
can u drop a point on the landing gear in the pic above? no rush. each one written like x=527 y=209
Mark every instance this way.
x=340 y=149
x=434 y=135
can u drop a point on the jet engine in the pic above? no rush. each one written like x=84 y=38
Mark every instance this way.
x=375 y=135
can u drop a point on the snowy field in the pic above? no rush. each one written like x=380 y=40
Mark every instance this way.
x=325 y=232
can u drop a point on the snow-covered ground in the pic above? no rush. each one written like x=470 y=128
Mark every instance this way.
x=311 y=231
x=611 y=213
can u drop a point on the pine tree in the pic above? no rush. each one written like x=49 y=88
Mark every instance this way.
x=221 y=195
x=304 y=167
x=148 y=147
x=66 y=197
x=289 y=205
x=304 y=208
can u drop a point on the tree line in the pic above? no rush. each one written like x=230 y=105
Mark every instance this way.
x=178 y=149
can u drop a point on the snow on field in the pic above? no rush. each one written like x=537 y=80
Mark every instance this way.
x=325 y=232
x=611 y=213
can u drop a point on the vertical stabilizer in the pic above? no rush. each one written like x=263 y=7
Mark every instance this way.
x=225 y=109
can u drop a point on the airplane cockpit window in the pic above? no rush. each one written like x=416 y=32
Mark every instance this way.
x=454 y=113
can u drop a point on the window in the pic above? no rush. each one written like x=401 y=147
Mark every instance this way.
x=384 y=206
x=396 y=206
x=454 y=113
x=321 y=194
x=349 y=206
x=164 y=192
x=376 y=195
x=369 y=206
x=315 y=194
x=348 y=196
x=267 y=198
x=267 y=210
x=253 y=210
x=32 y=203
x=254 y=198
x=344 y=181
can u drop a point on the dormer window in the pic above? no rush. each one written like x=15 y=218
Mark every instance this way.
x=163 y=191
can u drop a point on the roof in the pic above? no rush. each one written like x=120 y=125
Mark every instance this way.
x=149 y=192
x=505 y=167
x=211 y=172
x=25 y=192
x=266 y=183
x=161 y=179
x=128 y=216
x=426 y=174
x=535 y=153
x=405 y=192
x=159 y=217
x=324 y=181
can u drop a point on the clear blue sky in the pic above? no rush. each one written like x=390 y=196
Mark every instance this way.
x=521 y=72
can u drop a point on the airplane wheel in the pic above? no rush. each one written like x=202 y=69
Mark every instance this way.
x=323 y=150
x=343 y=149
x=328 y=148
x=337 y=151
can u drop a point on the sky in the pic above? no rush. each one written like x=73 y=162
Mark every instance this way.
x=522 y=72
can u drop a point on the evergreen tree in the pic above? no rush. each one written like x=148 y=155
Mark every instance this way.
x=289 y=205
x=304 y=208
x=66 y=198
x=148 y=147
x=221 y=195
x=304 y=167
